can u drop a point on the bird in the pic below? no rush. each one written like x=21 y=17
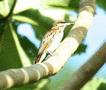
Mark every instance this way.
x=51 y=40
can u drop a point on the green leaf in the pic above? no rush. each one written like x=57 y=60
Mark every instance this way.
x=28 y=47
x=101 y=3
x=95 y=84
x=36 y=16
x=11 y=53
x=24 y=19
x=102 y=86
x=44 y=23
x=4 y=8
x=23 y=57
x=8 y=53
x=81 y=49
x=63 y=3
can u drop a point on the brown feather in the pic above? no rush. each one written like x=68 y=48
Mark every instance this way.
x=38 y=58
x=41 y=52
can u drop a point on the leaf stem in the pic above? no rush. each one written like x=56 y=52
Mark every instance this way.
x=12 y=9
x=10 y=12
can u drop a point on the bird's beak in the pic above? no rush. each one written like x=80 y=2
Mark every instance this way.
x=68 y=23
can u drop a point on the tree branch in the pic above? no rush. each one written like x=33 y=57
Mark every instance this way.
x=87 y=71
x=53 y=64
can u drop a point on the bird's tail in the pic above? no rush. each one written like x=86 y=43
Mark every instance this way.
x=37 y=58
x=40 y=57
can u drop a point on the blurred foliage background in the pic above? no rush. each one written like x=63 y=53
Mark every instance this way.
x=22 y=30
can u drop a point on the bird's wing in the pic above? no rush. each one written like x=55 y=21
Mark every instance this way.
x=44 y=46
x=48 y=38
x=50 y=34
x=46 y=42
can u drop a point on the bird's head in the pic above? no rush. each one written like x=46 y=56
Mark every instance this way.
x=62 y=23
